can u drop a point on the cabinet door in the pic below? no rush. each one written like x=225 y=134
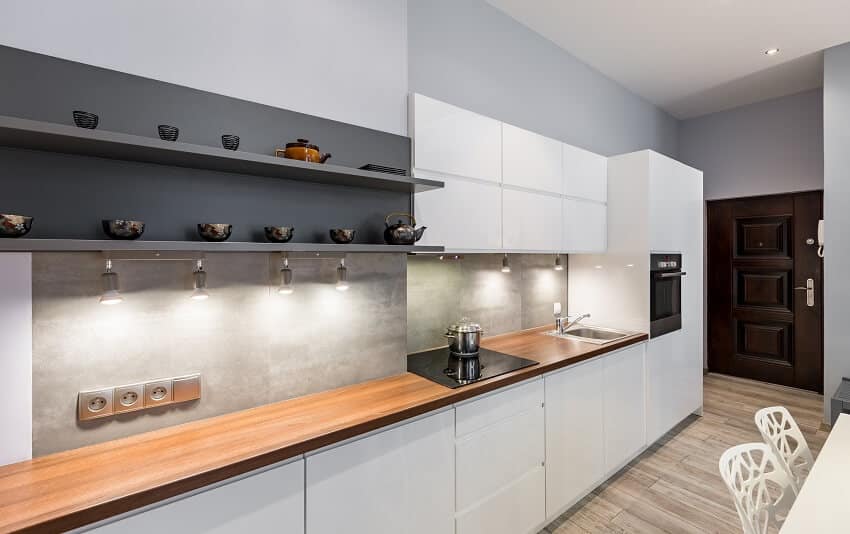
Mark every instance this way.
x=517 y=509
x=675 y=197
x=398 y=481
x=269 y=501
x=462 y=216
x=448 y=139
x=531 y=160
x=585 y=226
x=531 y=221
x=661 y=411
x=575 y=462
x=585 y=174
x=625 y=426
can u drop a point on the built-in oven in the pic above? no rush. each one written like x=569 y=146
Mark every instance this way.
x=665 y=293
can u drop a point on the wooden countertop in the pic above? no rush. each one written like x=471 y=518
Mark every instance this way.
x=70 y=489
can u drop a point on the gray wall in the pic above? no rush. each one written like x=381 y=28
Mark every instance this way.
x=441 y=292
x=468 y=53
x=770 y=147
x=251 y=345
x=836 y=102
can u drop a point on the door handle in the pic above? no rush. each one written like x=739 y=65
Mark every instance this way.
x=810 y=292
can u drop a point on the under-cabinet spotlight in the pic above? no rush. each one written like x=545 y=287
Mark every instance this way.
x=342 y=276
x=286 y=287
x=200 y=276
x=771 y=51
x=506 y=266
x=558 y=265
x=110 y=295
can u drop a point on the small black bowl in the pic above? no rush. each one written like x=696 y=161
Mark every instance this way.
x=168 y=133
x=279 y=234
x=342 y=236
x=87 y=120
x=123 y=229
x=230 y=142
x=14 y=225
x=215 y=232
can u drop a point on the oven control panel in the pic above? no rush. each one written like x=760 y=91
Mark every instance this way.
x=664 y=262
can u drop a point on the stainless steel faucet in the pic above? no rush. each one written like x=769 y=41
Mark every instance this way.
x=562 y=324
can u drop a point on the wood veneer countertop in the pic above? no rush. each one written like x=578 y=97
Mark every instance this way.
x=74 y=488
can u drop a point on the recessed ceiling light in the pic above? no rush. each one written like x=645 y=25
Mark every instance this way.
x=771 y=51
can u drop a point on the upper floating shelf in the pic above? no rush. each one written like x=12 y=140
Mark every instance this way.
x=52 y=137
x=104 y=245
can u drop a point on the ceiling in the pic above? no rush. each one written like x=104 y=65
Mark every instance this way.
x=694 y=57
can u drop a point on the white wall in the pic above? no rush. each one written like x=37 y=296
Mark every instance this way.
x=765 y=148
x=836 y=207
x=340 y=59
x=16 y=357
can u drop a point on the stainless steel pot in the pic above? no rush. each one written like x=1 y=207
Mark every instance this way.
x=464 y=337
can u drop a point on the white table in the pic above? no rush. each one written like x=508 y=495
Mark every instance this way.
x=823 y=505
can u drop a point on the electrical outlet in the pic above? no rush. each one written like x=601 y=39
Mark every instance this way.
x=94 y=404
x=129 y=398
x=157 y=393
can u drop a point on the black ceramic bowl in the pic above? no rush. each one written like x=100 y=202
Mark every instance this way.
x=84 y=119
x=168 y=133
x=230 y=142
x=123 y=229
x=14 y=225
x=279 y=234
x=342 y=235
x=214 y=231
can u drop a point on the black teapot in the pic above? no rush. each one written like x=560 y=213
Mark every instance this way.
x=400 y=233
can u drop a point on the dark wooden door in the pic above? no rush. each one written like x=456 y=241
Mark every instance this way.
x=760 y=322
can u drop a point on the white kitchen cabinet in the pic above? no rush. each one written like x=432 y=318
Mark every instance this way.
x=464 y=216
x=271 y=500
x=531 y=221
x=399 y=480
x=673 y=382
x=531 y=160
x=500 y=454
x=585 y=174
x=625 y=420
x=451 y=140
x=585 y=226
x=575 y=456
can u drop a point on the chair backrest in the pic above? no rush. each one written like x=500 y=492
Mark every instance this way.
x=759 y=486
x=781 y=433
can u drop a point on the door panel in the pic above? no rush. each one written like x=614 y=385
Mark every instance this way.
x=759 y=323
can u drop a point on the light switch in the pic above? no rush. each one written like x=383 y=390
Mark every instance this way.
x=186 y=388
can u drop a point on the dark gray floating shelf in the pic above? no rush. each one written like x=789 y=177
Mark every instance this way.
x=103 y=245
x=52 y=137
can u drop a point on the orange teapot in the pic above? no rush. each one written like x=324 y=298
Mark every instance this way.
x=303 y=150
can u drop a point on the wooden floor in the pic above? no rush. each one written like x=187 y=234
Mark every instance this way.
x=674 y=486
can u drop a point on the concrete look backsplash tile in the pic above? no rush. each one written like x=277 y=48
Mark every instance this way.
x=440 y=292
x=251 y=345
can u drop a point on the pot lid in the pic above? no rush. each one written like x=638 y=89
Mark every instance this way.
x=465 y=325
x=305 y=143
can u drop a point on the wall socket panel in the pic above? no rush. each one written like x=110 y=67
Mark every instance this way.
x=98 y=403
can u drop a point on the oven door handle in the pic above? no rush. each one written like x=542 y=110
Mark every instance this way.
x=677 y=274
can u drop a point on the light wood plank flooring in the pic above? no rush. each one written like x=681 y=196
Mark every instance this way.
x=674 y=487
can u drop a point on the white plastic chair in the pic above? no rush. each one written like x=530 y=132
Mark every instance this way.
x=759 y=486
x=781 y=433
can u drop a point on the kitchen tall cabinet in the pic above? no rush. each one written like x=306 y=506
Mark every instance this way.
x=397 y=480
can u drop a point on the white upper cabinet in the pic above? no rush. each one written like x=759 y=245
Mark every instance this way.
x=531 y=221
x=451 y=140
x=531 y=160
x=463 y=216
x=585 y=226
x=585 y=174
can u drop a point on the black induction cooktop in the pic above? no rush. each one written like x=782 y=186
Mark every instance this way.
x=440 y=366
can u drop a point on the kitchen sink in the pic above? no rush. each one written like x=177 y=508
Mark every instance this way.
x=591 y=334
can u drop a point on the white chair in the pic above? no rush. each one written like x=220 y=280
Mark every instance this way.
x=759 y=486
x=781 y=433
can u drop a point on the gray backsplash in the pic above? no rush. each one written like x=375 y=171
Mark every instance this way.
x=440 y=292
x=251 y=345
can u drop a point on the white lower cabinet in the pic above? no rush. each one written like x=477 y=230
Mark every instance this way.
x=625 y=411
x=266 y=501
x=575 y=457
x=500 y=452
x=674 y=382
x=399 y=481
x=464 y=215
